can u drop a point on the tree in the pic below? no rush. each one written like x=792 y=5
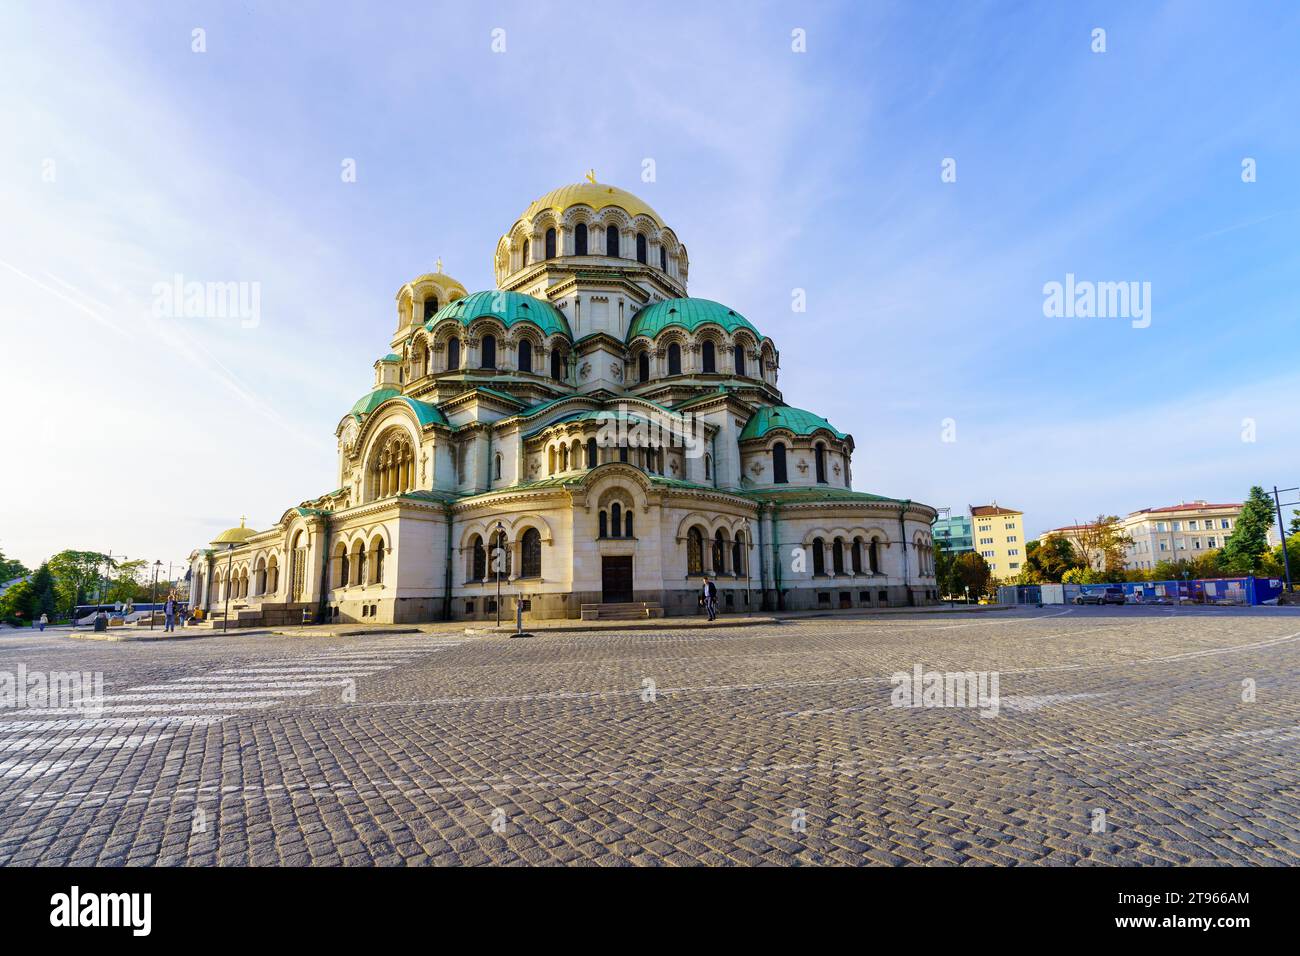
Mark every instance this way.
x=1047 y=561
x=1101 y=545
x=1295 y=523
x=42 y=583
x=1244 y=550
x=75 y=573
x=971 y=571
x=944 y=566
x=10 y=569
x=16 y=604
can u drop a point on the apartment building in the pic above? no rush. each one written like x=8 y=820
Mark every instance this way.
x=999 y=536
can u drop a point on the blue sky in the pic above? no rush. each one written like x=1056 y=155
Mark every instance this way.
x=779 y=170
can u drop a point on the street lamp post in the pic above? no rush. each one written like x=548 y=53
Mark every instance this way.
x=230 y=562
x=153 y=592
x=498 y=559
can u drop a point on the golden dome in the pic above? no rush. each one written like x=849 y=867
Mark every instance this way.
x=452 y=289
x=595 y=195
x=234 y=536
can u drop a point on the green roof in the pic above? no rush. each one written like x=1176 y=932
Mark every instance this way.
x=391 y=358
x=794 y=420
x=687 y=313
x=369 y=402
x=508 y=308
x=820 y=493
x=425 y=413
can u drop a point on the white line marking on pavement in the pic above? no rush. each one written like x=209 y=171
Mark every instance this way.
x=118 y=742
x=151 y=708
x=110 y=723
x=252 y=683
x=205 y=694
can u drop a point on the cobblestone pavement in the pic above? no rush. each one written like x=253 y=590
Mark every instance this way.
x=773 y=744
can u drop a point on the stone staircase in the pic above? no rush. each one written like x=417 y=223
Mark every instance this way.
x=634 y=611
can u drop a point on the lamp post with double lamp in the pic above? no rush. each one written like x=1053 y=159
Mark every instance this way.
x=230 y=562
x=498 y=559
x=153 y=592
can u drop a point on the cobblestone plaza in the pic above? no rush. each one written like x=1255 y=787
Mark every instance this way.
x=1123 y=736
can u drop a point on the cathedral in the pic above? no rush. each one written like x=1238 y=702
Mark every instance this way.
x=584 y=440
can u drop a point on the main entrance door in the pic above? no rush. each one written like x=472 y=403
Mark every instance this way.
x=616 y=579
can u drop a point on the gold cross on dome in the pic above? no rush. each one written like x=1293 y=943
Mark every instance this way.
x=243 y=519
x=438 y=264
x=591 y=176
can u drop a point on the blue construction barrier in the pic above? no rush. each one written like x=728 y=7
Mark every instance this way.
x=1246 y=590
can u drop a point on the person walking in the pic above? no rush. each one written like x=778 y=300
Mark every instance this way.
x=45 y=619
x=169 y=614
x=710 y=599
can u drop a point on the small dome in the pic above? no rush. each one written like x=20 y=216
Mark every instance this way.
x=447 y=288
x=687 y=313
x=595 y=195
x=794 y=420
x=235 y=536
x=508 y=308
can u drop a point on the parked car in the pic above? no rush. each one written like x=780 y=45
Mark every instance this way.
x=1102 y=596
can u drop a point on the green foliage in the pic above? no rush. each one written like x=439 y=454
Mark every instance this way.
x=970 y=570
x=76 y=575
x=16 y=604
x=1046 y=562
x=10 y=569
x=1243 y=552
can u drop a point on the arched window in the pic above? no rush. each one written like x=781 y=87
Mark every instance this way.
x=640 y=247
x=341 y=566
x=550 y=243
x=430 y=307
x=611 y=241
x=489 y=352
x=778 y=464
x=694 y=552
x=453 y=354
x=377 y=561
x=740 y=360
x=819 y=557
x=674 y=359
x=819 y=455
x=855 y=556
x=603 y=522
x=557 y=365
x=496 y=468
x=708 y=467
x=627 y=523
x=527 y=244
x=273 y=575
x=738 y=556
x=719 y=552
x=525 y=355
x=530 y=554
x=873 y=556
x=564 y=458
x=580 y=240
x=837 y=556
x=357 y=566
x=478 y=559
x=643 y=367
x=622 y=453
x=709 y=357
x=550 y=460
x=663 y=259
x=591 y=453
x=616 y=519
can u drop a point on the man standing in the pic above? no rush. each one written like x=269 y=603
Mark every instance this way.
x=710 y=599
x=169 y=614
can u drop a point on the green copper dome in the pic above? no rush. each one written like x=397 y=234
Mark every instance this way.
x=372 y=400
x=425 y=413
x=506 y=307
x=687 y=313
x=794 y=420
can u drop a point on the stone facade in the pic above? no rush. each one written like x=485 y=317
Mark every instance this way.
x=585 y=433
